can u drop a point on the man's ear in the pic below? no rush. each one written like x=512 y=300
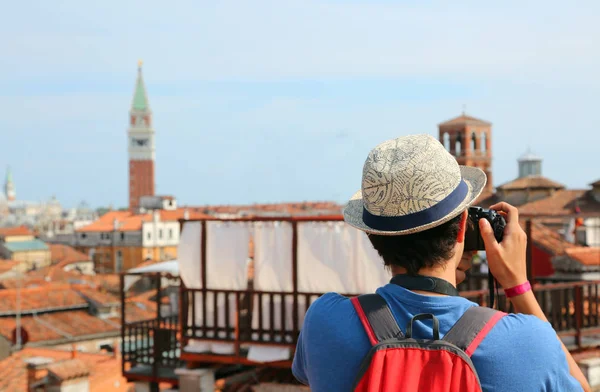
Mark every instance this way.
x=463 y=227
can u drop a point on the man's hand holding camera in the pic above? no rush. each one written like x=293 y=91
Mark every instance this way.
x=507 y=259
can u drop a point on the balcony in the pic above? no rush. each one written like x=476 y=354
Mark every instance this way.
x=150 y=331
x=168 y=325
x=573 y=310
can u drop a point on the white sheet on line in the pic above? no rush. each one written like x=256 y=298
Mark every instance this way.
x=333 y=256
x=188 y=255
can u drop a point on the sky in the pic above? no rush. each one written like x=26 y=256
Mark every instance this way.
x=271 y=101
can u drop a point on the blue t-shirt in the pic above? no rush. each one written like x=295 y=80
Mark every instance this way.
x=521 y=352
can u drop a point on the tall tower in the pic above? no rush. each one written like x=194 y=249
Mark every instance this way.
x=469 y=139
x=9 y=186
x=141 y=144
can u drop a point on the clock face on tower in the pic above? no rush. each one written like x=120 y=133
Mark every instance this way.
x=139 y=142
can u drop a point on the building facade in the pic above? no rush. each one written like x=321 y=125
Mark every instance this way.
x=141 y=145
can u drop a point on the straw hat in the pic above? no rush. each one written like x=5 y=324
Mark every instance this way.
x=411 y=184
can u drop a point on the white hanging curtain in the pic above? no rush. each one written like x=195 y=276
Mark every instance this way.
x=188 y=255
x=226 y=269
x=273 y=255
x=323 y=258
x=333 y=256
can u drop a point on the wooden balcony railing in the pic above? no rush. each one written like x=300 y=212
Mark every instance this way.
x=151 y=349
x=573 y=310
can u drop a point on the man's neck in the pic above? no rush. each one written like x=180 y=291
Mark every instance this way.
x=446 y=274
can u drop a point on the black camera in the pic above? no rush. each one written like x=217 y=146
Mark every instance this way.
x=473 y=240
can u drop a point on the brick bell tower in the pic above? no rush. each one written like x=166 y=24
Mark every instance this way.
x=141 y=145
x=469 y=139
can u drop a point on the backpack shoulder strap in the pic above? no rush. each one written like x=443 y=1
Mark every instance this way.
x=376 y=317
x=472 y=328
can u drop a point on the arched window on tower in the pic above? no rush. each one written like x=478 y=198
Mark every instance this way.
x=483 y=142
x=473 y=142
x=446 y=141
x=458 y=145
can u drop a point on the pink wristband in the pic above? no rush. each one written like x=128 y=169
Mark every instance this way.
x=517 y=290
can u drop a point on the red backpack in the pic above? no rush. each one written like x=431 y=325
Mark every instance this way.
x=399 y=363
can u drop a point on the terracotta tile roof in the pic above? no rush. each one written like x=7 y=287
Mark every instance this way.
x=547 y=239
x=15 y=231
x=585 y=255
x=464 y=120
x=52 y=273
x=7 y=265
x=68 y=369
x=561 y=203
x=49 y=327
x=129 y=222
x=26 y=282
x=595 y=183
x=108 y=282
x=105 y=370
x=106 y=222
x=138 y=311
x=531 y=182
x=486 y=199
x=99 y=297
x=65 y=254
x=43 y=298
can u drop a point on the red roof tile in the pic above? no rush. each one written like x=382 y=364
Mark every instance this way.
x=59 y=325
x=531 y=182
x=7 y=265
x=69 y=369
x=65 y=254
x=105 y=370
x=99 y=297
x=107 y=282
x=585 y=255
x=464 y=120
x=43 y=298
x=15 y=231
x=547 y=239
x=561 y=203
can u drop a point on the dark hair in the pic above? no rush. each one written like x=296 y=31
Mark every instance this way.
x=423 y=249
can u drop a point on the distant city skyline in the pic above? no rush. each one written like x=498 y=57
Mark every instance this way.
x=282 y=101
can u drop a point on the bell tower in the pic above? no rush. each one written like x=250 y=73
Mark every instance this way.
x=141 y=144
x=469 y=139
x=9 y=186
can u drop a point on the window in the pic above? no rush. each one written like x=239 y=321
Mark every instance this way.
x=122 y=236
x=446 y=141
x=149 y=236
x=458 y=145
x=160 y=234
x=473 y=142
x=170 y=233
x=482 y=142
x=83 y=236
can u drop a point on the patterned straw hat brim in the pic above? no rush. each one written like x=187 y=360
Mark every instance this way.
x=474 y=178
x=412 y=184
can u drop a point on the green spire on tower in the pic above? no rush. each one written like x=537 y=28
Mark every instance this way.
x=140 y=99
x=9 y=178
